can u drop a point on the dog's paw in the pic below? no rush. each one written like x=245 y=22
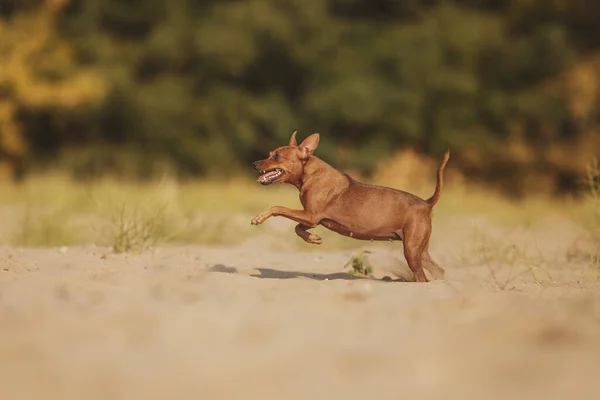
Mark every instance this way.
x=259 y=219
x=314 y=239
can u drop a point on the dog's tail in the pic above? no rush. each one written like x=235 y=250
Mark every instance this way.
x=432 y=201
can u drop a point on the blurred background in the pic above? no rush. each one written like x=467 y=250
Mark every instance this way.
x=106 y=105
x=137 y=89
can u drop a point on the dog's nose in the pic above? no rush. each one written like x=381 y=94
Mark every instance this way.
x=255 y=164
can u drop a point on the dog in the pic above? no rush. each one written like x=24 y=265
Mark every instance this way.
x=341 y=204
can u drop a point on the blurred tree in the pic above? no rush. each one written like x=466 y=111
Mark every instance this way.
x=200 y=88
x=36 y=73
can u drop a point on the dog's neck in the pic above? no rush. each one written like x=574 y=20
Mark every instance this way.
x=314 y=168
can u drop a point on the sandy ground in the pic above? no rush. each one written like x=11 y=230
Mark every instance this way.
x=250 y=322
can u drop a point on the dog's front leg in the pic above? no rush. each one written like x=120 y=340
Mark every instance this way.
x=301 y=216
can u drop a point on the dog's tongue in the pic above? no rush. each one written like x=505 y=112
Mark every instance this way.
x=267 y=176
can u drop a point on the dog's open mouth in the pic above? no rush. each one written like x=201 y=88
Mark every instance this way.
x=270 y=176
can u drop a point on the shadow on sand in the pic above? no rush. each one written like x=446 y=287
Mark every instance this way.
x=268 y=273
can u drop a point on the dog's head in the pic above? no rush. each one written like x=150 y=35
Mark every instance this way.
x=286 y=164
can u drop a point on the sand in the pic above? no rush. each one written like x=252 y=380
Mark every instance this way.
x=254 y=322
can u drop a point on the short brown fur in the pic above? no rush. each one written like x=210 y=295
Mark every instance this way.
x=336 y=201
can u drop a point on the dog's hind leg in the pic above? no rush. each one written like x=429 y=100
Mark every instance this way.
x=434 y=269
x=415 y=237
x=301 y=230
x=415 y=262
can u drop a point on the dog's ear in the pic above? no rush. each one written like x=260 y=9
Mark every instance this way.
x=293 y=142
x=309 y=145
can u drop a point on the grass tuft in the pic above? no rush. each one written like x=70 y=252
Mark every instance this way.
x=591 y=217
x=359 y=264
x=136 y=229
x=507 y=262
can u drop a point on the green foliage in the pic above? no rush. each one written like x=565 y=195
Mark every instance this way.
x=360 y=264
x=203 y=88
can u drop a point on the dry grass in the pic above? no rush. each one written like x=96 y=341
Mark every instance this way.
x=591 y=214
x=507 y=261
x=55 y=211
x=52 y=210
x=587 y=215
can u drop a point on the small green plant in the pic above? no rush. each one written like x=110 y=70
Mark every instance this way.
x=360 y=264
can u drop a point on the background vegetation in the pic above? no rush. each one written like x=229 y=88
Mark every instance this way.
x=139 y=88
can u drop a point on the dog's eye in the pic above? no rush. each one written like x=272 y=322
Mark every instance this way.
x=276 y=157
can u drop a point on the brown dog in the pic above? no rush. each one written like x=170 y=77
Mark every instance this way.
x=339 y=203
